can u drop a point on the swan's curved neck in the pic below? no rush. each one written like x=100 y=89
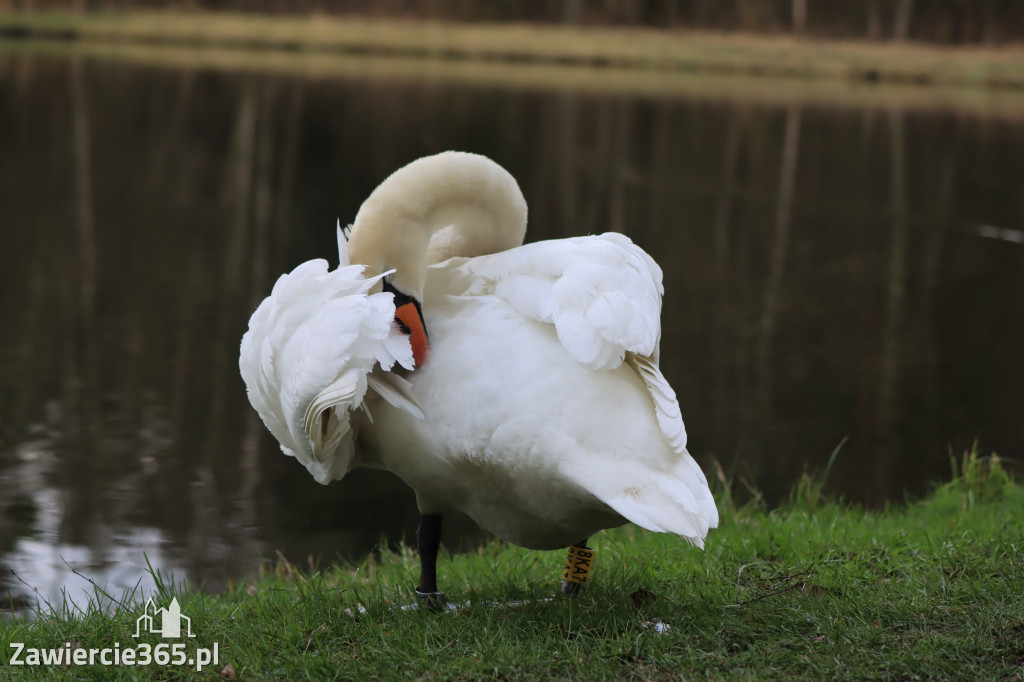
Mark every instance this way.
x=449 y=204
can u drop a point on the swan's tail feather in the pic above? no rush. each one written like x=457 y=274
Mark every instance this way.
x=628 y=506
x=677 y=501
x=687 y=469
x=657 y=509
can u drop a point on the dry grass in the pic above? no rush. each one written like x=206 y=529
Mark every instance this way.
x=992 y=103
x=624 y=48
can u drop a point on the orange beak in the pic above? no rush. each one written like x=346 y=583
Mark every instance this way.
x=409 y=319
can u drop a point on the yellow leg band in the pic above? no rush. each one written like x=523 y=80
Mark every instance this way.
x=578 y=564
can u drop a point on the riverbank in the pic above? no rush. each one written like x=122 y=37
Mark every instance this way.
x=640 y=50
x=813 y=590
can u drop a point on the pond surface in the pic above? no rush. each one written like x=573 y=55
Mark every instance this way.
x=833 y=272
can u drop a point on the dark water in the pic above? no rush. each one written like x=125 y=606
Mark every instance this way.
x=831 y=273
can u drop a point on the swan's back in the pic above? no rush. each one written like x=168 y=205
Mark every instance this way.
x=547 y=417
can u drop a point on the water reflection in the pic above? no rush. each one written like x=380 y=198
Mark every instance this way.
x=830 y=272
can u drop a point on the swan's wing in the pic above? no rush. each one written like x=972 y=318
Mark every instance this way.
x=307 y=360
x=601 y=293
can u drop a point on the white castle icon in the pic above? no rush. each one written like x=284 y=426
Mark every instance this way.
x=170 y=620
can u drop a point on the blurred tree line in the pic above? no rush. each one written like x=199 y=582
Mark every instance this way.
x=942 y=21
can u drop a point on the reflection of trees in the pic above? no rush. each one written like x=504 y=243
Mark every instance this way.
x=151 y=209
x=938 y=222
x=81 y=377
x=567 y=165
x=890 y=365
x=773 y=290
x=723 y=317
x=901 y=24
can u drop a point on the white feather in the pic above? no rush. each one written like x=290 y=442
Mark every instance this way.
x=541 y=411
x=306 y=358
x=602 y=294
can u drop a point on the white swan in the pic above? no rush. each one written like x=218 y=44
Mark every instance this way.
x=517 y=384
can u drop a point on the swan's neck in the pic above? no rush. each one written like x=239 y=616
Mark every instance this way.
x=450 y=204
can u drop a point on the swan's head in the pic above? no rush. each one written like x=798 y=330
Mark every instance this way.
x=388 y=243
x=437 y=207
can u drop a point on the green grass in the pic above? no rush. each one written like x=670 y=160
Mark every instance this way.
x=814 y=590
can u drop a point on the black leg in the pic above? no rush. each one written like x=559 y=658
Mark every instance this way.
x=577 y=567
x=428 y=540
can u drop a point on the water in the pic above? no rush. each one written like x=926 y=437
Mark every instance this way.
x=849 y=270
